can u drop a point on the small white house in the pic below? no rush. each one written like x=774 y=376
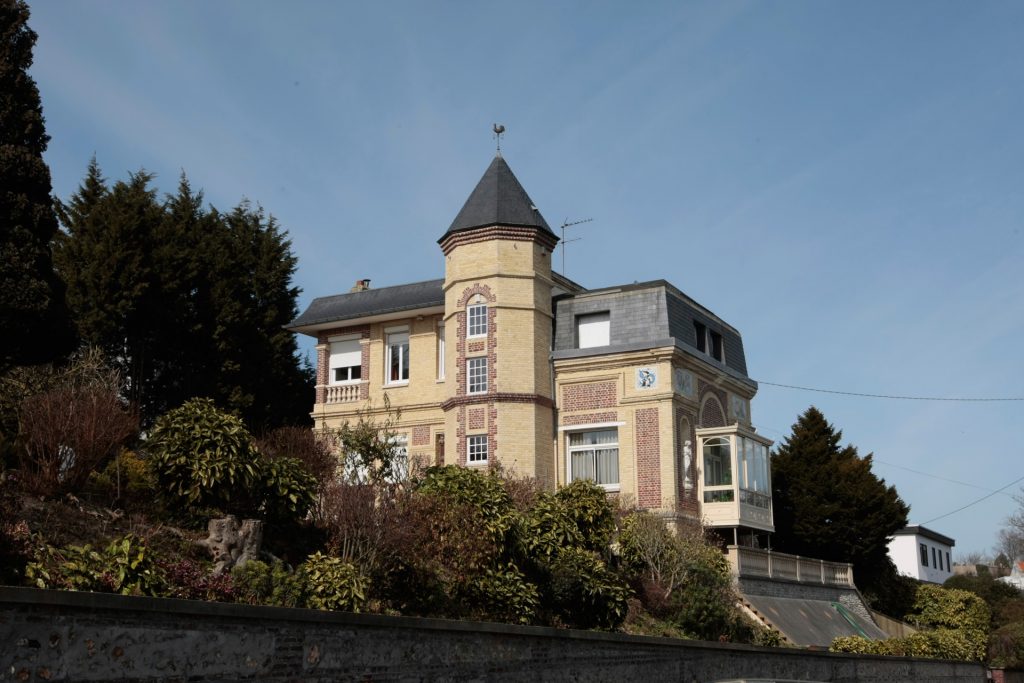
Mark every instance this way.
x=923 y=554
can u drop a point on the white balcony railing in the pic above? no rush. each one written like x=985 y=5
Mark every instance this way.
x=756 y=563
x=341 y=393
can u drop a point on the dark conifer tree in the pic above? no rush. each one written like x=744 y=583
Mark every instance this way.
x=106 y=258
x=828 y=504
x=33 y=317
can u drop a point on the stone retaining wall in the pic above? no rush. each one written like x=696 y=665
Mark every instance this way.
x=61 y=636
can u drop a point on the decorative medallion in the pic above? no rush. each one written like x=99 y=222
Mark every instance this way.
x=646 y=378
x=683 y=382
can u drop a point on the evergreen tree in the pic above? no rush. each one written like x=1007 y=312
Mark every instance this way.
x=188 y=302
x=106 y=260
x=251 y=268
x=828 y=504
x=33 y=316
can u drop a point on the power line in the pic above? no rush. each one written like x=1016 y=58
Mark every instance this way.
x=985 y=497
x=935 y=476
x=891 y=396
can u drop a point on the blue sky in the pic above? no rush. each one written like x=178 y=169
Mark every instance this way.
x=840 y=181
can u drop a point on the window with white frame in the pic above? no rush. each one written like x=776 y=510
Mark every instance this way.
x=346 y=361
x=752 y=463
x=399 y=458
x=593 y=329
x=476 y=371
x=594 y=455
x=440 y=351
x=476 y=320
x=397 y=361
x=476 y=449
x=718 y=471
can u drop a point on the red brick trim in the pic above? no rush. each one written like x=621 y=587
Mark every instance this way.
x=497 y=232
x=474 y=399
x=648 y=458
x=713 y=418
x=470 y=292
x=589 y=396
x=421 y=435
x=589 y=418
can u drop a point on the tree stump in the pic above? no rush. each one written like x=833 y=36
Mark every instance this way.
x=232 y=543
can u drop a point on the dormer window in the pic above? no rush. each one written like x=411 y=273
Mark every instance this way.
x=476 y=316
x=593 y=329
x=709 y=341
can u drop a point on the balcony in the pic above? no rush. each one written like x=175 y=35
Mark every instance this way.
x=342 y=393
x=764 y=564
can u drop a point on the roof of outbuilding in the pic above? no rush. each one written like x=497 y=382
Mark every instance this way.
x=498 y=199
x=918 y=530
x=371 y=302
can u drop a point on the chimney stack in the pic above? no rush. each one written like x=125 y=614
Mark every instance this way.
x=361 y=285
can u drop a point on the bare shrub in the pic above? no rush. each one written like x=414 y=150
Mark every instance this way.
x=69 y=431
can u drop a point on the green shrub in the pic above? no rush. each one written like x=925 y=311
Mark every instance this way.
x=938 y=607
x=587 y=505
x=203 y=457
x=482 y=492
x=257 y=583
x=288 y=490
x=503 y=595
x=958 y=621
x=680 y=576
x=126 y=481
x=126 y=566
x=1006 y=647
x=548 y=527
x=333 y=584
x=585 y=593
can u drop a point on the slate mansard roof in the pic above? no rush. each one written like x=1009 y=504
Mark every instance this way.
x=368 y=303
x=498 y=199
x=644 y=316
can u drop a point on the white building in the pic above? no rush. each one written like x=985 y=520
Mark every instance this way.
x=923 y=554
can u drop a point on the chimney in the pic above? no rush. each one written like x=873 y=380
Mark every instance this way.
x=361 y=285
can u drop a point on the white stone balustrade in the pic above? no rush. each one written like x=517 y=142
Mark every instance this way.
x=342 y=393
x=754 y=562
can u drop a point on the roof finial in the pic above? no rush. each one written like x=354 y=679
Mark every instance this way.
x=498 y=131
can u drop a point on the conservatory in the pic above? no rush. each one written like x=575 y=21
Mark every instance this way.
x=734 y=484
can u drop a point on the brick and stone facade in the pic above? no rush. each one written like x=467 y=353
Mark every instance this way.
x=644 y=394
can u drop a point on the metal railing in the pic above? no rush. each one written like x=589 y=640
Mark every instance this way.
x=757 y=563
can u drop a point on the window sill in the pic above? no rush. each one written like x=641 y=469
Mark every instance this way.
x=403 y=383
x=478 y=463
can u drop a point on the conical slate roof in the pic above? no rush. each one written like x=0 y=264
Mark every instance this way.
x=498 y=199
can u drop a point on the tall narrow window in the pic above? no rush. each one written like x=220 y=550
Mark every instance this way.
x=399 y=458
x=949 y=567
x=476 y=324
x=440 y=351
x=934 y=563
x=476 y=370
x=718 y=471
x=398 y=357
x=346 y=361
x=593 y=330
x=715 y=346
x=701 y=333
x=924 y=555
x=595 y=455
x=476 y=449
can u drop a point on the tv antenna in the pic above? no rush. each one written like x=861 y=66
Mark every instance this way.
x=499 y=130
x=567 y=224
